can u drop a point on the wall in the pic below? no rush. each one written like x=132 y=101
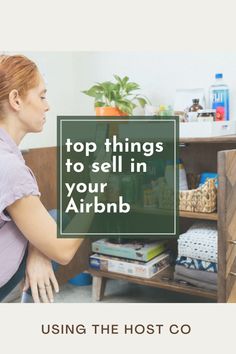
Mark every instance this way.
x=57 y=69
x=159 y=75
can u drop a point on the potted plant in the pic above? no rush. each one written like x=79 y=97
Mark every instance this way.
x=116 y=98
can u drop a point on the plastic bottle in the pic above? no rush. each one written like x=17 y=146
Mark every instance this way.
x=169 y=173
x=183 y=184
x=165 y=111
x=219 y=98
x=162 y=109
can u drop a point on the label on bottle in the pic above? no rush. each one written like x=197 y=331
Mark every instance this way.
x=220 y=102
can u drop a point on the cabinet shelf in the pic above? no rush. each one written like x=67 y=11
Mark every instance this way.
x=210 y=140
x=182 y=214
x=163 y=280
x=202 y=216
x=147 y=210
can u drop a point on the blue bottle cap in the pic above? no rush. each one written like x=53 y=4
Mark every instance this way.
x=218 y=76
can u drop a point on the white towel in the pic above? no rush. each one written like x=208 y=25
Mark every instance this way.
x=199 y=242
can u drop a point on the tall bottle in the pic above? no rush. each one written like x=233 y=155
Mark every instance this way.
x=219 y=98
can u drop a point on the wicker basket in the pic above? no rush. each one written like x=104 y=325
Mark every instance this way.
x=199 y=200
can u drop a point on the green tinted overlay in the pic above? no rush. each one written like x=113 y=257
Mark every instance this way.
x=117 y=177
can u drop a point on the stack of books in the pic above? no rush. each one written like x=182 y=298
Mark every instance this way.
x=136 y=258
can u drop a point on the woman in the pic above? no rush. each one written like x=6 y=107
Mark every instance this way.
x=28 y=234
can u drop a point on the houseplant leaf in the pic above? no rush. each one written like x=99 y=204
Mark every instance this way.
x=131 y=86
x=141 y=101
x=99 y=104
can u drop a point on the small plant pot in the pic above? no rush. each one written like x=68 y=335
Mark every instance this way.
x=111 y=112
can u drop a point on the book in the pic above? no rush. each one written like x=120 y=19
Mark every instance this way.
x=129 y=267
x=136 y=250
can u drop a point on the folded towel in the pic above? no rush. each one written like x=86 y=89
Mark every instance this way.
x=200 y=275
x=198 y=283
x=199 y=244
x=198 y=264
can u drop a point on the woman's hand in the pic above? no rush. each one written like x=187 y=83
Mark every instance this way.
x=40 y=276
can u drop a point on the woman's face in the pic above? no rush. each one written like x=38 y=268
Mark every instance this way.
x=34 y=107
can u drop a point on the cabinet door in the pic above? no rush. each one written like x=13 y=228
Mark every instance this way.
x=227 y=226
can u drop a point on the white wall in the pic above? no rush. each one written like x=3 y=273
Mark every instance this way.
x=57 y=69
x=158 y=74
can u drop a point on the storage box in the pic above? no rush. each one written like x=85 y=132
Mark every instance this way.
x=199 y=200
x=136 y=250
x=206 y=129
x=128 y=267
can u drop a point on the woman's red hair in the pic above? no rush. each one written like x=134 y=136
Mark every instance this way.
x=17 y=72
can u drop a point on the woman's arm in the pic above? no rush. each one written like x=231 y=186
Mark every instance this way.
x=40 y=229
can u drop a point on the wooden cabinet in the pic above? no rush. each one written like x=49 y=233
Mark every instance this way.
x=198 y=155
x=219 y=154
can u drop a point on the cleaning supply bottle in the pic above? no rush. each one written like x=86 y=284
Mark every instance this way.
x=169 y=173
x=219 y=98
x=183 y=184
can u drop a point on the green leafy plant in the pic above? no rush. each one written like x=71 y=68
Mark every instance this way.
x=118 y=94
